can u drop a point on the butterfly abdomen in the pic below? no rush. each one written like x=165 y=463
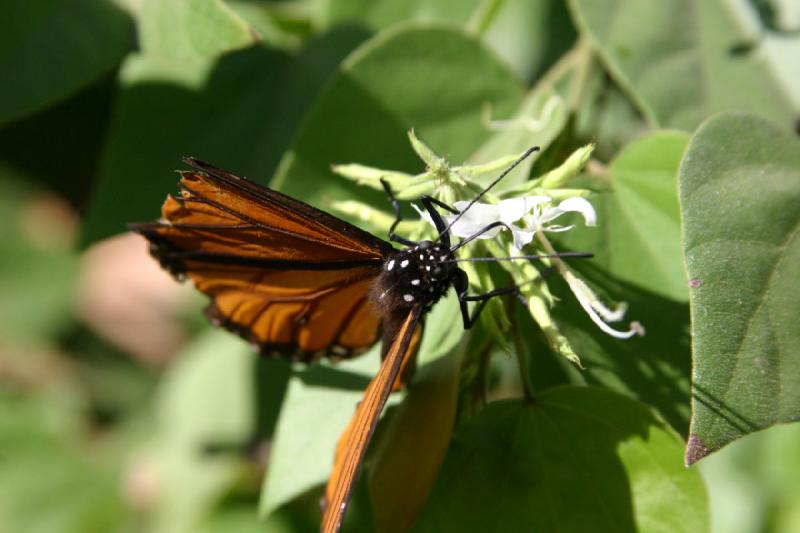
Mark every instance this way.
x=415 y=275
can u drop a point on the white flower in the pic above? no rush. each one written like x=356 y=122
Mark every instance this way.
x=597 y=310
x=534 y=212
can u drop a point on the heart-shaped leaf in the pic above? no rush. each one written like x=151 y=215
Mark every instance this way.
x=579 y=459
x=740 y=201
x=193 y=102
x=189 y=29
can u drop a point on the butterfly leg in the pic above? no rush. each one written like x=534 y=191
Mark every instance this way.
x=461 y=284
x=394 y=237
x=431 y=200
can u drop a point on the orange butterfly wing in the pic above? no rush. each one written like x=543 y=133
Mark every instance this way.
x=355 y=438
x=287 y=277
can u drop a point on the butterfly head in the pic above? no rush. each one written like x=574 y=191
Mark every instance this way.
x=419 y=274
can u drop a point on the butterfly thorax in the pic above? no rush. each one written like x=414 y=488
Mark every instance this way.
x=418 y=274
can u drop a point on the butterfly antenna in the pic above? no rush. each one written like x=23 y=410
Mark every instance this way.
x=515 y=257
x=472 y=202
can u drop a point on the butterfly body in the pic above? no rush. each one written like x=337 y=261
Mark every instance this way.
x=416 y=275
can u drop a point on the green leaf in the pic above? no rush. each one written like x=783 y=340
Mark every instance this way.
x=530 y=36
x=193 y=103
x=607 y=117
x=740 y=191
x=579 y=459
x=319 y=402
x=433 y=79
x=205 y=403
x=440 y=338
x=49 y=50
x=638 y=235
x=189 y=29
x=381 y=15
x=537 y=122
x=678 y=60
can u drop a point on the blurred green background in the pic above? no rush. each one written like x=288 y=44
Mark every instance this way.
x=121 y=409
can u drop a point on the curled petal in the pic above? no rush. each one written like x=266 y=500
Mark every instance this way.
x=521 y=236
x=574 y=204
x=557 y=229
x=594 y=308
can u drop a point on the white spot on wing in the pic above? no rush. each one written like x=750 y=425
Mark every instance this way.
x=404 y=263
x=415 y=282
x=408 y=298
x=390 y=265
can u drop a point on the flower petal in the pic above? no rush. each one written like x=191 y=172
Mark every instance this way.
x=574 y=204
x=424 y=215
x=593 y=307
x=521 y=236
x=514 y=209
x=474 y=219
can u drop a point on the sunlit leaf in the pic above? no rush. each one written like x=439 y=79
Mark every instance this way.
x=318 y=404
x=680 y=61
x=740 y=192
x=579 y=459
x=186 y=29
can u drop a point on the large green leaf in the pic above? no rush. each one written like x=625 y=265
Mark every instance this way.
x=433 y=79
x=579 y=459
x=529 y=36
x=51 y=49
x=185 y=29
x=678 y=60
x=318 y=404
x=638 y=235
x=740 y=201
x=239 y=112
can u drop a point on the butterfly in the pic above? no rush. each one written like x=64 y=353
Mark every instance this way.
x=298 y=282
